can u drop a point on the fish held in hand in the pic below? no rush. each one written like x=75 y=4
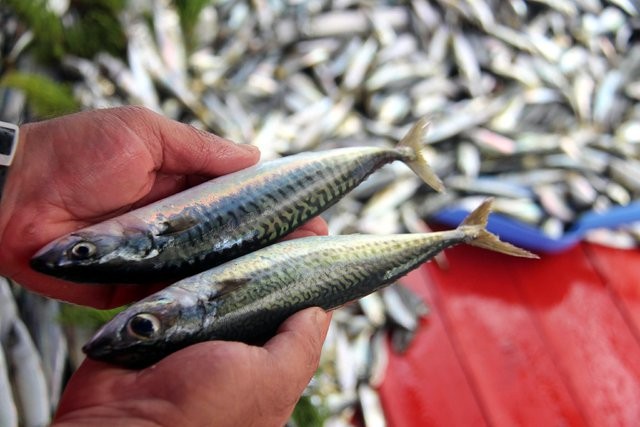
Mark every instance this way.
x=223 y=218
x=248 y=298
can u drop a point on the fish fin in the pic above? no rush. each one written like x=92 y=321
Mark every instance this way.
x=177 y=225
x=414 y=140
x=224 y=286
x=484 y=239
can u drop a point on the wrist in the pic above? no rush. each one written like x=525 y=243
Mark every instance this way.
x=9 y=139
x=8 y=193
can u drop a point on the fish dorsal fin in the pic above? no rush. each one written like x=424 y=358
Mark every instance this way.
x=177 y=225
x=224 y=286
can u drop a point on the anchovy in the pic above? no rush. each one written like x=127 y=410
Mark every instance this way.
x=247 y=298
x=223 y=218
x=8 y=409
x=29 y=379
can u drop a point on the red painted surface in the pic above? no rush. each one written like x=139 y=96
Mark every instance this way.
x=514 y=342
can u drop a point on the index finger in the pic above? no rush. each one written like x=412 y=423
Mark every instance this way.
x=295 y=350
x=179 y=148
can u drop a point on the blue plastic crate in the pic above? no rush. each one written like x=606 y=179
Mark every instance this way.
x=532 y=238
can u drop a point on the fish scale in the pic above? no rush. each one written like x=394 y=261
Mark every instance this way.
x=223 y=218
x=247 y=299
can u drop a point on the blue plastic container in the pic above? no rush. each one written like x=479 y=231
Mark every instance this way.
x=528 y=237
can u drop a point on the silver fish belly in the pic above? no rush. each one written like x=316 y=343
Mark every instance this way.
x=223 y=218
x=248 y=298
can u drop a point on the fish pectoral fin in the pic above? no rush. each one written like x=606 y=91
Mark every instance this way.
x=224 y=286
x=177 y=225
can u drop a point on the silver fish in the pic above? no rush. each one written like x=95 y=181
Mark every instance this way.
x=8 y=409
x=41 y=316
x=247 y=298
x=223 y=218
x=371 y=407
x=404 y=307
x=28 y=376
x=8 y=309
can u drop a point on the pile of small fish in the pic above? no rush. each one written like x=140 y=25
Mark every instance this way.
x=531 y=102
x=33 y=357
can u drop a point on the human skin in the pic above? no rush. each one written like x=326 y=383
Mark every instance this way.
x=213 y=383
x=80 y=169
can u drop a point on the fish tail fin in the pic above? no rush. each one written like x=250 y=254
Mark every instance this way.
x=414 y=140
x=476 y=224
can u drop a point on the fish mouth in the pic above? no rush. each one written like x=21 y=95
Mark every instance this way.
x=52 y=267
x=89 y=273
x=124 y=357
x=97 y=351
x=50 y=259
x=44 y=263
x=101 y=348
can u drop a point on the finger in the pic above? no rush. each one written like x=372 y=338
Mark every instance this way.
x=99 y=296
x=92 y=384
x=295 y=350
x=314 y=227
x=305 y=331
x=164 y=185
x=98 y=391
x=192 y=379
x=179 y=148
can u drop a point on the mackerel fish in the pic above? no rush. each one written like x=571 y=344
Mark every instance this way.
x=223 y=218
x=247 y=298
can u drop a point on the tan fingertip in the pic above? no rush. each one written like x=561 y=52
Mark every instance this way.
x=323 y=319
x=216 y=139
x=319 y=315
x=247 y=147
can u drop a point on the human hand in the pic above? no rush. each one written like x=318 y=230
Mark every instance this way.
x=81 y=169
x=214 y=383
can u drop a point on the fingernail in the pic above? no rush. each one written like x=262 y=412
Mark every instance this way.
x=217 y=138
x=247 y=147
x=319 y=315
x=243 y=145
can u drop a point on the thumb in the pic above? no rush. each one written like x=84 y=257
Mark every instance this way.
x=295 y=349
x=179 y=148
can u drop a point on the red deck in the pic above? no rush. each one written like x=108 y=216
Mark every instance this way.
x=514 y=342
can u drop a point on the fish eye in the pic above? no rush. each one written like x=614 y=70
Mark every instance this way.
x=83 y=250
x=143 y=325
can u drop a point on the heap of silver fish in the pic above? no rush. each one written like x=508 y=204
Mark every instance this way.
x=532 y=102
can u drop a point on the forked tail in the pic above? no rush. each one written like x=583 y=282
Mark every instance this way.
x=414 y=140
x=476 y=224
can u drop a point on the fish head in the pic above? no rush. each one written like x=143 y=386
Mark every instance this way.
x=148 y=330
x=101 y=249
